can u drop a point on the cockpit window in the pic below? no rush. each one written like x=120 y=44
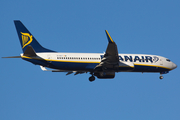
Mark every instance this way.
x=168 y=60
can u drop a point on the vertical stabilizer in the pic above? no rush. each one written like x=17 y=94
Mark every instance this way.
x=27 y=39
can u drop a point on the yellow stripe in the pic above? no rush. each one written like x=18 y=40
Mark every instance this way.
x=127 y=66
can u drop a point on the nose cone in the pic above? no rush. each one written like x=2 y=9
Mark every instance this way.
x=174 y=66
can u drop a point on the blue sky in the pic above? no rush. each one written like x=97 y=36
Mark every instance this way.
x=141 y=26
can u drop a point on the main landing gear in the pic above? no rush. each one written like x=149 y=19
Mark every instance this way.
x=161 y=77
x=92 y=78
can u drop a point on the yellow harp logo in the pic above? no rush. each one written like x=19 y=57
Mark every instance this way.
x=26 y=39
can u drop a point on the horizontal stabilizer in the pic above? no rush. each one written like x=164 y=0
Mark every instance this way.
x=12 y=57
x=44 y=69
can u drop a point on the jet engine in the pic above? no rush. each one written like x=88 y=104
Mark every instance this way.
x=104 y=75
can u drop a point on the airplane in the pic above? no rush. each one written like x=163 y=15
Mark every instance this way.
x=100 y=65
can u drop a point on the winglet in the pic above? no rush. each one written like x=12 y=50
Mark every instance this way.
x=109 y=37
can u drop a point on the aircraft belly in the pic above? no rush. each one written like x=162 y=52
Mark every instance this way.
x=36 y=62
x=143 y=68
x=74 y=66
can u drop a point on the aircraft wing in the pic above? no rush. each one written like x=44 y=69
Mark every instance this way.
x=110 y=59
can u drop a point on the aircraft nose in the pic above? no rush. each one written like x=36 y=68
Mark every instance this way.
x=174 y=66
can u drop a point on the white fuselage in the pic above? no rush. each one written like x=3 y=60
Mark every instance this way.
x=87 y=61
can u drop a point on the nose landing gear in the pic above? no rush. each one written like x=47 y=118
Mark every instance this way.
x=165 y=72
x=161 y=77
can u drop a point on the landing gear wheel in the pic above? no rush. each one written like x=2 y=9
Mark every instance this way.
x=92 y=78
x=161 y=77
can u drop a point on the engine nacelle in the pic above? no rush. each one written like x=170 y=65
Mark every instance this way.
x=105 y=75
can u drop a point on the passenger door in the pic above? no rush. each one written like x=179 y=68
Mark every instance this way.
x=161 y=61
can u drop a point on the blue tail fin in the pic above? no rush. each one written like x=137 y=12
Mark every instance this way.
x=27 y=39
